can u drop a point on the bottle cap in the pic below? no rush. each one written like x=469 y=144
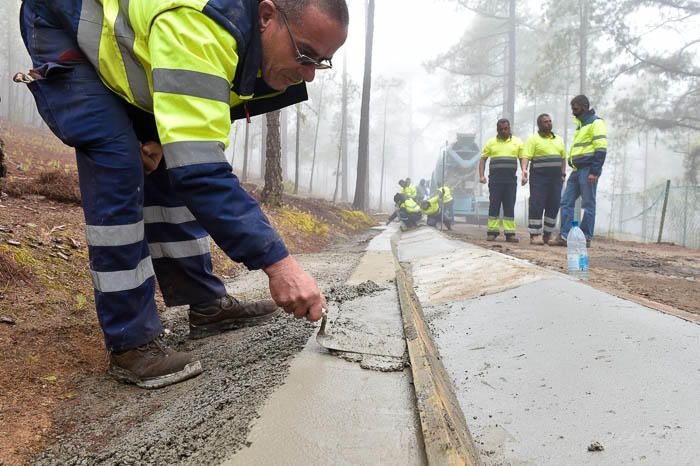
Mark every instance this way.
x=574 y=223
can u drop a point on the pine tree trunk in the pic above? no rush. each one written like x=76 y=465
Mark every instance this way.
x=296 y=151
x=244 y=175
x=3 y=168
x=283 y=143
x=337 y=173
x=509 y=103
x=318 y=125
x=344 y=133
x=361 y=201
x=263 y=147
x=272 y=192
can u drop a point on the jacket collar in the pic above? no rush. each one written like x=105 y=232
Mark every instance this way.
x=587 y=118
x=240 y=18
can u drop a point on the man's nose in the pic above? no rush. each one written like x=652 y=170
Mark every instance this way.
x=308 y=73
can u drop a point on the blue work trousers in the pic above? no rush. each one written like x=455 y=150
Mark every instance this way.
x=137 y=229
x=545 y=194
x=502 y=194
x=409 y=219
x=578 y=186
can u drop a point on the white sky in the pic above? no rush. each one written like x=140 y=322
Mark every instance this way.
x=406 y=34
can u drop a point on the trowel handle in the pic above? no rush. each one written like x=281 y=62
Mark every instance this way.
x=322 y=330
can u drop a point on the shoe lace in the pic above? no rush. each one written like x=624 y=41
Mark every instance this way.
x=229 y=301
x=155 y=346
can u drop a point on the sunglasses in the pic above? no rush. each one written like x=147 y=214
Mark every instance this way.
x=302 y=59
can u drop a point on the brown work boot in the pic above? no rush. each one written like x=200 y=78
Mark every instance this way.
x=533 y=239
x=546 y=237
x=153 y=365
x=559 y=242
x=512 y=239
x=228 y=313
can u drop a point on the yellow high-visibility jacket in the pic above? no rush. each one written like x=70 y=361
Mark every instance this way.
x=410 y=191
x=410 y=205
x=590 y=144
x=446 y=194
x=433 y=208
x=503 y=158
x=194 y=64
x=545 y=153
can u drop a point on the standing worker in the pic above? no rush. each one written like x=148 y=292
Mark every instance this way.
x=444 y=194
x=408 y=189
x=586 y=157
x=109 y=75
x=544 y=151
x=421 y=191
x=503 y=152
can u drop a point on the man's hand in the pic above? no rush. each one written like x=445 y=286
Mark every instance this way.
x=151 y=155
x=592 y=179
x=294 y=290
x=524 y=179
x=482 y=179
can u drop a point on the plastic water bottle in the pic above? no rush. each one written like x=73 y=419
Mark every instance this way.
x=576 y=252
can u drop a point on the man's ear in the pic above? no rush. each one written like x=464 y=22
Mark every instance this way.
x=266 y=12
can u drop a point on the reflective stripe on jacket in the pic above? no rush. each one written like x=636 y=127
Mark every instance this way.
x=503 y=157
x=434 y=206
x=410 y=205
x=545 y=153
x=446 y=194
x=192 y=59
x=590 y=144
x=194 y=64
x=410 y=191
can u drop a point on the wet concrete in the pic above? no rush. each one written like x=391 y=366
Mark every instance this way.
x=331 y=410
x=206 y=419
x=544 y=369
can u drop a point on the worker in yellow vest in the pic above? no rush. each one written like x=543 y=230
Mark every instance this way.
x=586 y=158
x=444 y=194
x=407 y=210
x=431 y=209
x=408 y=189
x=503 y=153
x=111 y=76
x=545 y=155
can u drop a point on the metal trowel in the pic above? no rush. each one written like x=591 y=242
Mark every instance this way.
x=350 y=341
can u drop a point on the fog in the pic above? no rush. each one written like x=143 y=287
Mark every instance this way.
x=441 y=67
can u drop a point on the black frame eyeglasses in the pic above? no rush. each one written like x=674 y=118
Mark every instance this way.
x=302 y=59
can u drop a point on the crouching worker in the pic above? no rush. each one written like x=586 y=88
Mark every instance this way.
x=407 y=210
x=431 y=210
x=187 y=68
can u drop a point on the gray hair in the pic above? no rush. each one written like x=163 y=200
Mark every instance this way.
x=335 y=9
x=542 y=115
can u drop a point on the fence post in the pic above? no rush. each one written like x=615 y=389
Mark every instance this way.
x=685 y=215
x=663 y=210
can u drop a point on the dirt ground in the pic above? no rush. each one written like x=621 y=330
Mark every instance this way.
x=657 y=275
x=52 y=357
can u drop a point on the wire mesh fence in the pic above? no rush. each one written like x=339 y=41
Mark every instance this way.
x=637 y=216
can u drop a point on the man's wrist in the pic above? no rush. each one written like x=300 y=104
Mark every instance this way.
x=279 y=266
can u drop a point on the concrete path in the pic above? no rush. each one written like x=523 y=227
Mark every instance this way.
x=332 y=411
x=544 y=366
